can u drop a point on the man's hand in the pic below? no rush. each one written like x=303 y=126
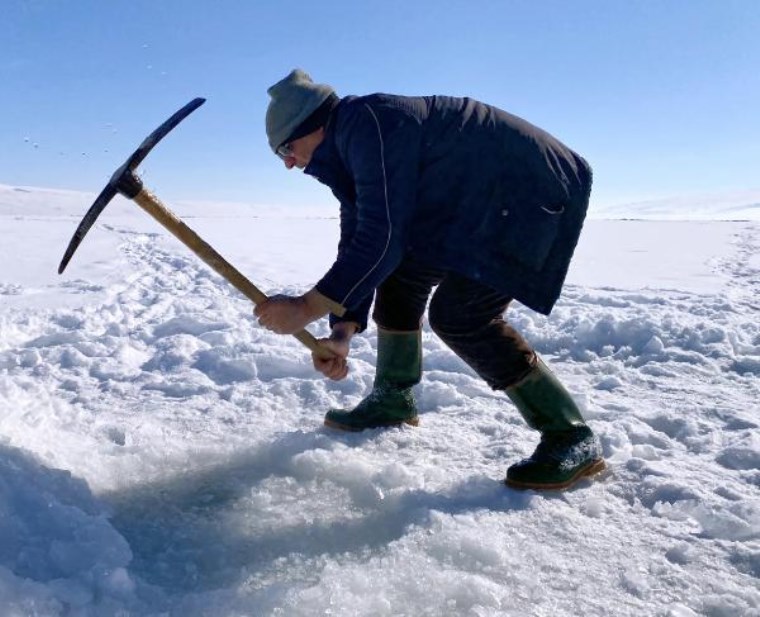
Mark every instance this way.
x=336 y=368
x=290 y=314
x=283 y=314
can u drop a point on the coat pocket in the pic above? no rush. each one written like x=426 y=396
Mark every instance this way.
x=527 y=232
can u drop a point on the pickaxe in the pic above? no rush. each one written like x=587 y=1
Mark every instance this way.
x=126 y=182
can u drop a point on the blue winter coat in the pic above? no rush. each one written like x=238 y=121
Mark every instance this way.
x=452 y=183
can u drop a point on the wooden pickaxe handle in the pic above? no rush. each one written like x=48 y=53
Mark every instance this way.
x=153 y=206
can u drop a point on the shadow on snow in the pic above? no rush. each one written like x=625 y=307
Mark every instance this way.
x=184 y=538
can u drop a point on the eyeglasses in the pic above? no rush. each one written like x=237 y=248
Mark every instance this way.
x=284 y=151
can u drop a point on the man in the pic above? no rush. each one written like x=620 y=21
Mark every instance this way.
x=439 y=192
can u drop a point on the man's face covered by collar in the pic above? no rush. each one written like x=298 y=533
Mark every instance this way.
x=298 y=152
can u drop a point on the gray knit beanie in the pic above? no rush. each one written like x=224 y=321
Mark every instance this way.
x=294 y=99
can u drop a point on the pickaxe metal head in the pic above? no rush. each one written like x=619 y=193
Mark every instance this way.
x=124 y=180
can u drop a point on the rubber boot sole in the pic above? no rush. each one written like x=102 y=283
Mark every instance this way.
x=593 y=468
x=358 y=429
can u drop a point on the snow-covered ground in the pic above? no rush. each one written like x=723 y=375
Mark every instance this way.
x=160 y=454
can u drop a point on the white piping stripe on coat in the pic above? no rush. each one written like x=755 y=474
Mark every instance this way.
x=387 y=207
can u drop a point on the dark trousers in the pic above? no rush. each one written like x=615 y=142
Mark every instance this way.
x=467 y=316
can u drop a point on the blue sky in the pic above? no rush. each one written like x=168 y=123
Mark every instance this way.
x=662 y=97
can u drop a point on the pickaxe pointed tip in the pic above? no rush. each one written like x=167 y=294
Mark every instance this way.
x=124 y=181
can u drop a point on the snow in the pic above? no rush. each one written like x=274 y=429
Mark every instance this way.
x=162 y=455
x=731 y=206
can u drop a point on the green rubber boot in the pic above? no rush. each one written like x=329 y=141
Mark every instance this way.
x=391 y=402
x=568 y=451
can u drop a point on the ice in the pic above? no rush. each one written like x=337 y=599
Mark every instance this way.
x=57 y=547
x=160 y=454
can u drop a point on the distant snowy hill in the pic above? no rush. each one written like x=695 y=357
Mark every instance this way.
x=734 y=206
x=163 y=456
